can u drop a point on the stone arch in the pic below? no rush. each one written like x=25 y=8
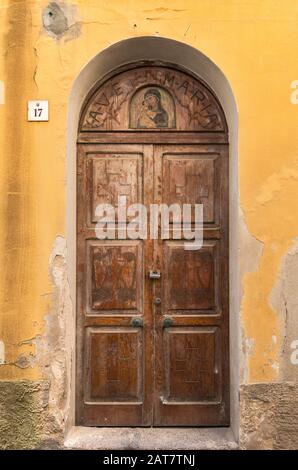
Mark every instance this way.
x=167 y=52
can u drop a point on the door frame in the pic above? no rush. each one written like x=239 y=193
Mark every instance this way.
x=130 y=51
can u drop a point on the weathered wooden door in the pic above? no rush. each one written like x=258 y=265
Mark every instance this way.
x=152 y=316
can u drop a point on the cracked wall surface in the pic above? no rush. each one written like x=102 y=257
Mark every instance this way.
x=44 y=46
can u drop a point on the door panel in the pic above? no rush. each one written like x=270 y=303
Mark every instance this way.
x=114 y=370
x=192 y=365
x=190 y=178
x=197 y=289
x=110 y=175
x=115 y=276
x=153 y=352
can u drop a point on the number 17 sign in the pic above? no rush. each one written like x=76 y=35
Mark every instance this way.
x=38 y=110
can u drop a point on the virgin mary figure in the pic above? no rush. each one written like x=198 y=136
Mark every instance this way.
x=152 y=113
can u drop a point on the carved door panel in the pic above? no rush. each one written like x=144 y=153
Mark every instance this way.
x=153 y=352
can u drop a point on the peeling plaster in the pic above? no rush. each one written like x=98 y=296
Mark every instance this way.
x=59 y=20
x=57 y=350
x=284 y=301
x=53 y=349
x=24 y=361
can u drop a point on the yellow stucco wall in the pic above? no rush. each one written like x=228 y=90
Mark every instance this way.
x=253 y=42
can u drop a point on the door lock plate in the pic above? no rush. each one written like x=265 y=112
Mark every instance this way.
x=154 y=274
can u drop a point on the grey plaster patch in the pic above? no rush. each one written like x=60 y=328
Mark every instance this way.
x=59 y=20
x=284 y=300
x=57 y=344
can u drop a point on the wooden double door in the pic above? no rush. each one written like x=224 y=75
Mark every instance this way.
x=152 y=316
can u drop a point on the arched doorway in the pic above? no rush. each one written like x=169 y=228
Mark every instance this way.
x=152 y=317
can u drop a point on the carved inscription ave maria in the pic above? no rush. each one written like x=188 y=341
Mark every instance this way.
x=153 y=98
x=152 y=351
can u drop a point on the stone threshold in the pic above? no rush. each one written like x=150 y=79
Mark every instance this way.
x=91 y=438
